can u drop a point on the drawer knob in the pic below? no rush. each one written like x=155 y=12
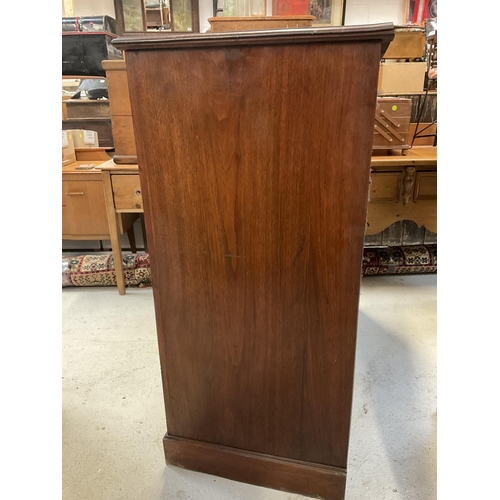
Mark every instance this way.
x=80 y=193
x=137 y=192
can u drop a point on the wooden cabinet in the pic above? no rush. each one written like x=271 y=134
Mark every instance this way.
x=84 y=215
x=83 y=209
x=403 y=188
x=255 y=189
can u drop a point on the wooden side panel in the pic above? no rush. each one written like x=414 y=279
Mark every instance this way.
x=255 y=188
x=119 y=100
x=123 y=133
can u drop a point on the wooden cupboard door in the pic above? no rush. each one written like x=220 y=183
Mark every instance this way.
x=386 y=186
x=425 y=186
x=83 y=208
x=255 y=186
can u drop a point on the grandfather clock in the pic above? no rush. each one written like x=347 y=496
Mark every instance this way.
x=254 y=155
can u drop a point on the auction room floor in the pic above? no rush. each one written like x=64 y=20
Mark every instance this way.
x=113 y=415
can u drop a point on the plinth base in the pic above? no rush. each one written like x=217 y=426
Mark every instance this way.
x=293 y=476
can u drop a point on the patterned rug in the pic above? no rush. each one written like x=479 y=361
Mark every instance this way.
x=418 y=259
x=99 y=270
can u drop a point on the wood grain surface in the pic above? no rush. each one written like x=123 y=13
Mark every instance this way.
x=254 y=163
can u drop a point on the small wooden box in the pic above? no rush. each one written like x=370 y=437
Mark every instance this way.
x=219 y=24
x=392 y=123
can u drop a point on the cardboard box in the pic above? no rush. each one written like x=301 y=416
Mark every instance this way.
x=68 y=148
x=401 y=78
x=84 y=138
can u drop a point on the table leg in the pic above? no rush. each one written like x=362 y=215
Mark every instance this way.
x=144 y=237
x=113 y=231
x=131 y=239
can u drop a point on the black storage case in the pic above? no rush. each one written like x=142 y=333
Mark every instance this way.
x=86 y=42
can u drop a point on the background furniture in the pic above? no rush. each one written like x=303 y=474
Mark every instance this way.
x=84 y=208
x=131 y=15
x=392 y=124
x=100 y=125
x=121 y=115
x=259 y=22
x=403 y=188
x=122 y=195
x=157 y=15
x=86 y=41
x=255 y=231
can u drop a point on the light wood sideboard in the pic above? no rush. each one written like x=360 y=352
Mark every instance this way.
x=403 y=188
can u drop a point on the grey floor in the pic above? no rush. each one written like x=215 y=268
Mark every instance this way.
x=113 y=416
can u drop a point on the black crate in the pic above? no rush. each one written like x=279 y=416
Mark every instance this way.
x=86 y=42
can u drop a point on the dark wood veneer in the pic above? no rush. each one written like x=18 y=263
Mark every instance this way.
x=254 y=154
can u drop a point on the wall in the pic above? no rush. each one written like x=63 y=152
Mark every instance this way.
x=374 y=11
x=72 y=8
x=356 y=11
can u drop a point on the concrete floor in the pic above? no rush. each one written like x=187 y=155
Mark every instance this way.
x=113 y=416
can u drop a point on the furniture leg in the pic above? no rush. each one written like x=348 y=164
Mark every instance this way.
x=131 y=239
x=144 y=237
x=113 y=232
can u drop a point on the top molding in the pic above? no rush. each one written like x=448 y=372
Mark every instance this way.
x=383 y=32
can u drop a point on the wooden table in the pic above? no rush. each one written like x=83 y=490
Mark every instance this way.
x=122 y=195
x=403 y=188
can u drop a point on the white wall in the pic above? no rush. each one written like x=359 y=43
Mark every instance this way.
x=78 y=8
x=374 y=11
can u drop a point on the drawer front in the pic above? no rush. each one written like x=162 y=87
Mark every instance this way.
x=83 y=208
x=123 y=134
x=386 y=186
x=127 y=192
x=425 y=186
